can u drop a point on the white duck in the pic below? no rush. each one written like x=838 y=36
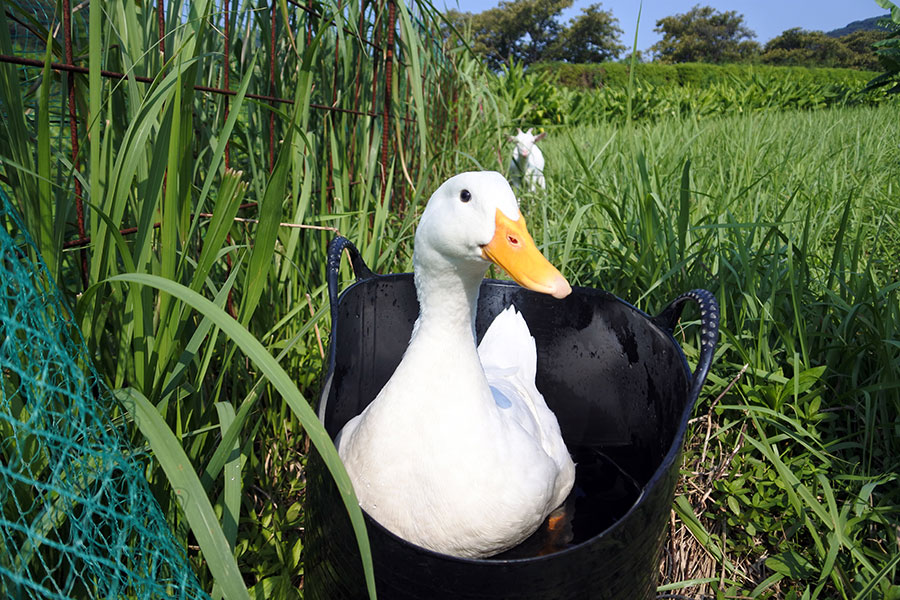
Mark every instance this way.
x=459 y=452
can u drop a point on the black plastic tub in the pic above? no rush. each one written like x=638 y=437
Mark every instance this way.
x=622 y=391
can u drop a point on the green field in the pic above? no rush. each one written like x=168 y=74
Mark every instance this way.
x=787 y=210
x=564 y=95
x=617 y=74
x=792 y=219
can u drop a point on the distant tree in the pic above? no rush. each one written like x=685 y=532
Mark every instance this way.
x=484 y=35
x=591 y=37
x=817 y=49
x=862 y=44
x=798 y=46
x=704 y=34
x=522 y=30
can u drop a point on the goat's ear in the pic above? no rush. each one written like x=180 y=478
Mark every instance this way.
x=512 y=138
x=540 y=136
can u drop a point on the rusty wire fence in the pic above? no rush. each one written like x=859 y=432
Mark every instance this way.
x=385 y=92
x=218 y=145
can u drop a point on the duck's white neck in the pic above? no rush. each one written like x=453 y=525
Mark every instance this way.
x=448 y=299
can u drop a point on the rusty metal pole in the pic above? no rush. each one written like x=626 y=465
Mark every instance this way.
x=161 y=23
x=73 y=131
x=272 y=91
x=388 y=74
x=226 y=68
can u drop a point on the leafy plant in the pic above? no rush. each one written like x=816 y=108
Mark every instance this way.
x=529 y=99
x=888 y=52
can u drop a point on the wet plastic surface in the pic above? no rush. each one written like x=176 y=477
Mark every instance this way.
x=622 y=392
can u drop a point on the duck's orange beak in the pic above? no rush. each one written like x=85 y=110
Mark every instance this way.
x=513 y=249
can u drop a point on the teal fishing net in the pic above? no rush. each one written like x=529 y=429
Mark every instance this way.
x=78 y=518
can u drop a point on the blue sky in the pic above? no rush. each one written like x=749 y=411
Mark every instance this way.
x=767 y=18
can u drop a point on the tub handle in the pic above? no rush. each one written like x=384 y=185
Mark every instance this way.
x=336 y=249
x=709 y=330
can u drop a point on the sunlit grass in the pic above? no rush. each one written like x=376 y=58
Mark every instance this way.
x=791 y=219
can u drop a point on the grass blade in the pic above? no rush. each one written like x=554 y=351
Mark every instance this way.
x=288 y=390
x=684 y=208
x=232 y=504
x=193 y=500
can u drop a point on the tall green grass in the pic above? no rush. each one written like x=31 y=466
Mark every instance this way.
x=167 y=308
x=792 y=219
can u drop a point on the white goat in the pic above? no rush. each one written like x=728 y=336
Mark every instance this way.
x=527 y=165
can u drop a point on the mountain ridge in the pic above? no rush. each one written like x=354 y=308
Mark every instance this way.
x=870 y=24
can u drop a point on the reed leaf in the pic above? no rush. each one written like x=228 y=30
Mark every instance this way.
x=288 y=390
x=196 y=505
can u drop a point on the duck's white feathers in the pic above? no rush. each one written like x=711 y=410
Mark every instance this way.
x=434 y=458
x=496 y=471
x=509 y=357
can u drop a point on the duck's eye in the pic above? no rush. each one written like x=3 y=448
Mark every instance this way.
x=465 y=196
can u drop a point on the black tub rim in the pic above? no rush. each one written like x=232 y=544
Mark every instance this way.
x=665 y=322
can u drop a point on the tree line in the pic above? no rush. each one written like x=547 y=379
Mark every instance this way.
x=530 y=31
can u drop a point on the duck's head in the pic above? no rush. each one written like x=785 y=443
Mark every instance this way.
x=473 y=219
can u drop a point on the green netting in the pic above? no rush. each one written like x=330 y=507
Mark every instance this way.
x=78 y=517
x=28 y=23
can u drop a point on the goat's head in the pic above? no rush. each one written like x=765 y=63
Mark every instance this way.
x=524 y=141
